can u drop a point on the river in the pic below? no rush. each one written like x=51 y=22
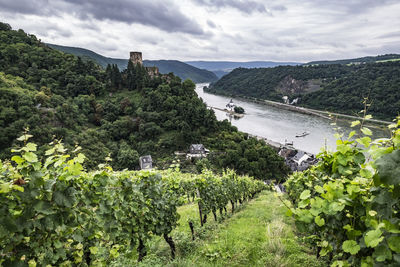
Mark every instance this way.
x=279 y=125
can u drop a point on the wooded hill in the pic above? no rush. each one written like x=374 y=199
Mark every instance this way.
x=360 y=60
x=220 y=68
x=180 y=69
x=333 y=87
x=121 y=115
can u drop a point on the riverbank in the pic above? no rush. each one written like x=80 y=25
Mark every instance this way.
x=230 y=112
x=282 y=125
x=309 y=111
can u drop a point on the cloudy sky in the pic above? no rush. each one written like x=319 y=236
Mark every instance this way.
x=236 y=30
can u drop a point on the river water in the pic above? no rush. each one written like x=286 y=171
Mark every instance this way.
x=279 y=125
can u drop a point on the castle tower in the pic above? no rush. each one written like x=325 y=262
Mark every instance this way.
x=136 y=58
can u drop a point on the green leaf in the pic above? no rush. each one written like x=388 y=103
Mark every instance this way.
x=80 y=158
x=394 y=243
x=319 y=221
x=373 y=238
x=57 y=244
x=336 y=206
x=30 y=157
x=94 y=250
x=50 y=151
x=5 y=187
x=64 y=198
x=368 y=117
x=351 y=246
x=18 y=159
x=43 y=207
x=388 y=167
x=382 y=253
x=17 y=187
x=366 y=173
x=366 y=131
x=365 y=141
x=355 y=123
x=24 y=137
x=305 y=194
x=343 y=148
x=289 y=212
x=30 y=147
x=372 y=213
x=351 y=134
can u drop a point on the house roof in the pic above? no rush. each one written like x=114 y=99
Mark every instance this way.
x=197 y=146
x=146 y=159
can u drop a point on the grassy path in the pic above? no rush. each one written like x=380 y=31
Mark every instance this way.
x=259 y=234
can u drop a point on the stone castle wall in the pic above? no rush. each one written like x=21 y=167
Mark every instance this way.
x=136 y=58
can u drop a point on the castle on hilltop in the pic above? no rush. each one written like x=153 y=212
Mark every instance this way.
x=136 y=58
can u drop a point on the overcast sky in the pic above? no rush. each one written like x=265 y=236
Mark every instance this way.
x=235 y=30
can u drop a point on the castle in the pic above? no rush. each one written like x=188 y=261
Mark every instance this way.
x=136 y=58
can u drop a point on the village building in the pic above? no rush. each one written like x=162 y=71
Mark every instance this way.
x=197 y=151
x=146 y=162
x=231 y=105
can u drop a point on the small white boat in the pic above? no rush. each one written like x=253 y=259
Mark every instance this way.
x=302 y=134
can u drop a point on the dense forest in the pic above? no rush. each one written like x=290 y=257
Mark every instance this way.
x=333 y=87
x=119 y=115
x=370 y=59
x=179 y=68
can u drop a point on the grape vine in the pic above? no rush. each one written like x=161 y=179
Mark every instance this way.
x=348 y=204
x=53 y=212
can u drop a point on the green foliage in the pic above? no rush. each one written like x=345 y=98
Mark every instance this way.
x=342 y=87
x=239 y=110
x=112 y=113
x=358 y=60
x=247 y=156
x=349 y=202
x=180 y=69
x=53 y=212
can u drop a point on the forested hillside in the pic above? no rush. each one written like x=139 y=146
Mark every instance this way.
x=120 y=115
x=220 y=68
x=381 y=58
x=333 y=87
x=180 y=69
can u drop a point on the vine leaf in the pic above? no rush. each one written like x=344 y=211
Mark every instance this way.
x=319 y=221
x=351 y=246
x=389 y=168
x=305 y=194
x=394 y=243
x=373 y=238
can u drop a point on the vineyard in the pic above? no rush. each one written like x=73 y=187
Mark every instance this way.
x=348 y=204
x=52 y=212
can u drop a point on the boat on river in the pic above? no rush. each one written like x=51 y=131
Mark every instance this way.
x=302 y=134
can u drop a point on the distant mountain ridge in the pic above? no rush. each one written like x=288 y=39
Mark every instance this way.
x=367 y=59
x=220 y=68
x=180 y=69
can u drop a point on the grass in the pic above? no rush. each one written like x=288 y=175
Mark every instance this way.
x=258 y=234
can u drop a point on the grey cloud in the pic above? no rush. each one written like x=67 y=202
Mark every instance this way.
x=279 y=8
x=36 y=7
x=160 y=14
x=389 y=35
x=246 y=6
x=351 y=6
x=211 y=24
